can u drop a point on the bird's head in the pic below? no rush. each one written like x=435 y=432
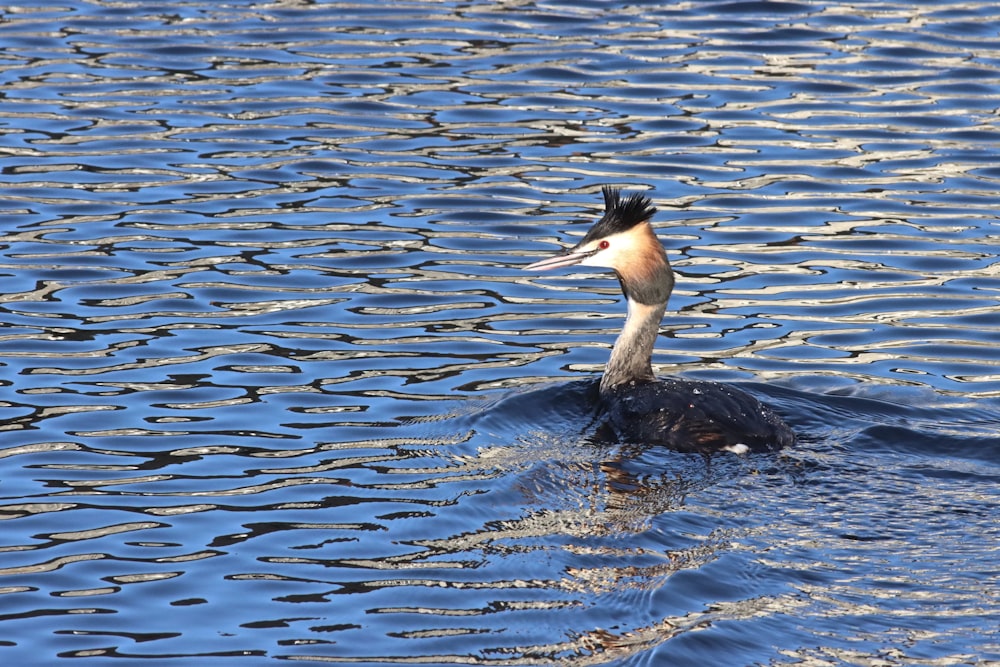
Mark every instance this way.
x=624 y=241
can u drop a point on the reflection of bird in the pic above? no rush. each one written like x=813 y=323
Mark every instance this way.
x=685 y=415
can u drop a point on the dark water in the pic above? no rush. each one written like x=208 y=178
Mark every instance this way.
x=274 y=387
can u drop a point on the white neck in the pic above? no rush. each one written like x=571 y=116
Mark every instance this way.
x=633 y=351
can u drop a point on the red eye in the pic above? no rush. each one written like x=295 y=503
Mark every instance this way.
x=603 y=245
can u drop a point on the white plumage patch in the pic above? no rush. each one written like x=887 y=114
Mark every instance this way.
x=623 y=249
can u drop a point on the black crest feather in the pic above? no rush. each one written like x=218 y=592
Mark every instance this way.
x=621 y=214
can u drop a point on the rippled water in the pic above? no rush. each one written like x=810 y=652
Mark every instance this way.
x=274 y=386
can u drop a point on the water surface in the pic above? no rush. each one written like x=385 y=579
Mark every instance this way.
x=274 y=386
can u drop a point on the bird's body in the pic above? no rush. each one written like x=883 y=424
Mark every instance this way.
x=693 y=416
x=682 y=414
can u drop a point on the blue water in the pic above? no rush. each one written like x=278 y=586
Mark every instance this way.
x=275 y=388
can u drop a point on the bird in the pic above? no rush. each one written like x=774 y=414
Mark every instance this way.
x=685 y=415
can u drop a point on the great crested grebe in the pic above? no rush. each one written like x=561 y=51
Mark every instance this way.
x=686 y=415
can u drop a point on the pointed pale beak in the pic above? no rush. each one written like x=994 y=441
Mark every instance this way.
x=569 y=258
